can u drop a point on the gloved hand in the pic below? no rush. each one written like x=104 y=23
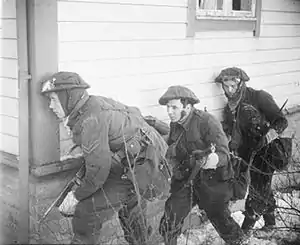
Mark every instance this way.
x=211 y=161
x=271 y=135
x=67 y=208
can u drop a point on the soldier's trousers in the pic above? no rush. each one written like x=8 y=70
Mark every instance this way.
x=117 y=195
x=180 y=203
x=260 y=200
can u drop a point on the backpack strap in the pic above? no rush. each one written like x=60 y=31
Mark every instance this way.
x=235 y=129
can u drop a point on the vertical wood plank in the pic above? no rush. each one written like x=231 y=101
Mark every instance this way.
x=191 y=18
x=43 y=61
x=23 y=234
x=258 y=9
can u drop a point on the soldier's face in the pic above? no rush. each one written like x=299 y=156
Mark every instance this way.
x=55 y=105
x=176 y=111
x=230 y=87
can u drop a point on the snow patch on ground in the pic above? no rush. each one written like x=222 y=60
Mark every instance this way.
x=288 y=216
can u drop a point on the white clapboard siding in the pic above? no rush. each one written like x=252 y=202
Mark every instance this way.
x=9 y=125
x=281 y=5
x=8 y=9
x=130 y=89
x=82 y=11
x=8 y=48
x=9 y=144
x=9 y=87
x=119 y=67
x=210 y=90
x=177 y=3
x=84 y=51
x=272 y=68
x=150 y=82
x=284 y=90
x=265 y=81
x=135 y=58
x=288 y=18
x=8 y=28
x=9 y=68
x=9 y=107
x=277 y=43
x=224 y=34
x=280 y=31
x=81 y=31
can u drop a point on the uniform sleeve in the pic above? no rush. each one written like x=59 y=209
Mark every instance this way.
x=97 y=157
x=227 y=122
x=270 y=109
x=215 y=134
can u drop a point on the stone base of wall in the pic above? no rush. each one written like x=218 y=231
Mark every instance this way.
x=9 y=212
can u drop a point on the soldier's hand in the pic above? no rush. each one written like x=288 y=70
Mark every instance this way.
x=211 y=161
x=199 y=154
x=67 y=208
x=271 y=135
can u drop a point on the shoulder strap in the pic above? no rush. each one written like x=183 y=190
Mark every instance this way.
x=171 y=148
x=178 y=138
x=235 y=126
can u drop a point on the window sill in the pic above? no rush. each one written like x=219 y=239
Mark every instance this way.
x=211 y=23
x=230 y=18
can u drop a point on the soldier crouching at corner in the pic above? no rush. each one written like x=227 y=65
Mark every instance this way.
x=193 y=132
x=118 y=146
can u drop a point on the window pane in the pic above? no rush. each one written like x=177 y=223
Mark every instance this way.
x=211 y=4
x=244 y=5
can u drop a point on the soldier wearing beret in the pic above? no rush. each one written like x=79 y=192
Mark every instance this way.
x=118 y=147
x=253 y=121
x=197 y=139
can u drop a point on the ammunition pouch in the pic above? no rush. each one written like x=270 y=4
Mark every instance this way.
x=133 y=149
x=281 y=151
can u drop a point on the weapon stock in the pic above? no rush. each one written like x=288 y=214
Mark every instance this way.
x=58 y=201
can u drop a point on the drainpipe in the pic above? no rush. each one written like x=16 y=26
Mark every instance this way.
x=24 y=142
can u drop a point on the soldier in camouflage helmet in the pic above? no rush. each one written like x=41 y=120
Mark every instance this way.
x=104 y=129
x=198 y=152
x=253 y=121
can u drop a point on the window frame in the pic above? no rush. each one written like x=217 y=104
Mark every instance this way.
x=227 y=12
x=207 y=20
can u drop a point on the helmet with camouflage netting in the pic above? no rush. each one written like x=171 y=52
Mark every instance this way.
x=63 y=81
x=232 y=73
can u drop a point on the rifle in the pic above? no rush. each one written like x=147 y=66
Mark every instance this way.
x=61 y=197
x=199 y=159
x=269 y=124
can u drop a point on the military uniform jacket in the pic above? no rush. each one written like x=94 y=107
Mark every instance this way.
x=101 y=126
x=270 y=113
x=199 y=131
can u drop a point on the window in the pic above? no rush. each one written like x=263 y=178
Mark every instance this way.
x=223 y=15
x=218 y=9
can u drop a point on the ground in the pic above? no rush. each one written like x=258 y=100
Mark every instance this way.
x=197 y=230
